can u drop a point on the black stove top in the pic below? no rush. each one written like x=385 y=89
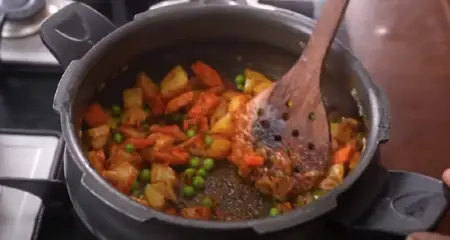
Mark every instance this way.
x=26 y=101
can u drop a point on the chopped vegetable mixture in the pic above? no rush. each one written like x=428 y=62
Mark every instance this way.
x=164 y=145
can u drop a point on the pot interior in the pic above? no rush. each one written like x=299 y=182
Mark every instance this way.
x=228 y=41
x=229 y=59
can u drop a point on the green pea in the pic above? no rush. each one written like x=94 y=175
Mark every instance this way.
x=207 y=202
x=240 y=79
x=135 y=185
x=208 y=164
x=116 y=110
x=240 y=87
x=194 y=162
x=191 y=133
x=145 y=175
x=188 y=191
x=190 y=172
x=209 y=140
x=198 y=182
x=202 y=172
x=274 y=212
x=129 y=148
x=118 y=138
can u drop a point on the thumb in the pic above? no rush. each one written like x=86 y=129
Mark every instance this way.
x=446 y=177
x=427 y=236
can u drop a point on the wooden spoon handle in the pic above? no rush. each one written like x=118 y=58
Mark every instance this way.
x=314 y=53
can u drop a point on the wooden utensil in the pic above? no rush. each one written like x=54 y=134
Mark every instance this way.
x=291 y=115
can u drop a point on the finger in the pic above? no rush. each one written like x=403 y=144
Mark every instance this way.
x=446 y=177
x=427 y=236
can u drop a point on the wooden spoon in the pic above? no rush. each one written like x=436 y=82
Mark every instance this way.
x=291 y=115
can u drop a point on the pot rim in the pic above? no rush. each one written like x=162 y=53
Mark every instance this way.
x=293 y=20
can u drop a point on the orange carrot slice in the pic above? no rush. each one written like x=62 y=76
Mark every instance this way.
x=343 y=154
x=95 y=115
x=253 y=160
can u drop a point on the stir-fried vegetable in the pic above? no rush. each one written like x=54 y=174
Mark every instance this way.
x=188 y=191
x=255 y=82
x=154 y=198
x=202 y=172
x=198 y=182
x=209 y=140
x=149 y=88
x=208 y=164
x=274 y=212
x=191 y=133
x=167 y=141
x=145 y=175
x=95 y=115
x=207 y=202
x=174 y=83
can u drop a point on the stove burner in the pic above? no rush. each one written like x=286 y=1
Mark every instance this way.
x=24 y=17
x=21 y=9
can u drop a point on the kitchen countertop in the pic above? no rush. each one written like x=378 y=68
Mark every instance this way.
x=405 y=46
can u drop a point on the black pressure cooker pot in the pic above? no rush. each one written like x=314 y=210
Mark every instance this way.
x=96 y=55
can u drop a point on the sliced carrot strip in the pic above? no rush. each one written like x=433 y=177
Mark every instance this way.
x=159 y=106
x=343 y=154
x=130 y=132
x=139 y=143
x=95 y=115
x=206 y=103
x=149 y=88
x=178 y=102
x=207 y=74
x=253 y=160
x=171 y=130
x=179 y=157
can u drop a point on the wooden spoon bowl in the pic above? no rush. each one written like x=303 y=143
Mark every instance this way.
x=290 y=120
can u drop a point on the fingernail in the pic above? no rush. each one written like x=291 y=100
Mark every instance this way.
x=446 y=176
x=411 y=238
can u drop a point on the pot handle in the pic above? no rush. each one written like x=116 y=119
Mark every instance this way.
x=410 y=203
x=72 y=31
x=384 y=112
x=69 y=34
x=51 y=191
x=230 y=2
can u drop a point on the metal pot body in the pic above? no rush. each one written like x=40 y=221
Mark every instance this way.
x=218 y=23
x=76 y=35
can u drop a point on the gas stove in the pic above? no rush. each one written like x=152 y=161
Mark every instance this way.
x=20 y=42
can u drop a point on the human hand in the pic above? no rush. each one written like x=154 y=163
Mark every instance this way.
x=432 y=236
